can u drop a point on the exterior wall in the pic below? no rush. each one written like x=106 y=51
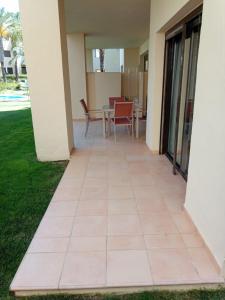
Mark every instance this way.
x=8 y=46
x=205 y=198
x=163 y=15
x=131 y=58
x=50 y=95
x=76 y=52
x=101 y=86
x=89 y=60
x=144 y=47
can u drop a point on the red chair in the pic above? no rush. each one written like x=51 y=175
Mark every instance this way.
x=112 y=100
x=87 y=114
x=123 y=115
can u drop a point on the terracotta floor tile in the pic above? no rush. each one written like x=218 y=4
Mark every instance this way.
x=94 y=193
x=203 y=262
x=48 y=245
x=183 y=223
x=124 y=225
x=192 y=240
x=67 y=194
x=122 y=207
x=157 y=223
x=116 y=219
x=172 y=266
x=71 y=182
x=84 y=269
x=164 y=241
x=95 y=182
x=142 y=180
x=174 y=205
x=33 y=273
x=146 y=206
x=92 y=208
x=126 y=243
x=128 y=268
x=147 y=192
x=90 y=226
x=120 y=192
x=87 y=244
x=52 y=227
x=62 y=209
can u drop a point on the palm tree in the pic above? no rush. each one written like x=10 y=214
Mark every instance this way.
x=5 y=25
x=102 y=57
x=17 y=43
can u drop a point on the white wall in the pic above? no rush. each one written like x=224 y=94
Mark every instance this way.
x=163 y=15
x=50 y=94
x=77 y=68
x=205 y=198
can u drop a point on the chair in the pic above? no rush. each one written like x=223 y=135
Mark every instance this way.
x=112 y=100
x=87 y=114
x=123 y=116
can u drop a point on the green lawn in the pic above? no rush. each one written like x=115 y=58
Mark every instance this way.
x=26 y=187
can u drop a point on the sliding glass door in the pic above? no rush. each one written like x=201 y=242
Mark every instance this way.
x=179 y=92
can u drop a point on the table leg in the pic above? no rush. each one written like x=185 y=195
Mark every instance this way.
x=109 y=124
x=137 y=124
x=103 y=124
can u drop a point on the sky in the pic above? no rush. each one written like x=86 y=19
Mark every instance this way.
x=10 y=5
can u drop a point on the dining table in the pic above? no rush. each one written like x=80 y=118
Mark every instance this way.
x=108 y=112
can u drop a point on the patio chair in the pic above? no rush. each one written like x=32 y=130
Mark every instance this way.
x=123 y=116
x=87 y=112
x=112 y=100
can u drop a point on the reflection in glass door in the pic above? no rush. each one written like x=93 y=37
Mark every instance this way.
x=179 y=93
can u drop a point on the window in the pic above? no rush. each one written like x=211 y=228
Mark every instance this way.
x=7 y=53
x=10 y=70
x=97 y=53
x=24 y=70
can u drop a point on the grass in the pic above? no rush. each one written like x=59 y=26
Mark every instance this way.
x=26 y=187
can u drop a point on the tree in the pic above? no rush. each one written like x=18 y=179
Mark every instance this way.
x=17 y=43
x=6 y=22
x=102 y=56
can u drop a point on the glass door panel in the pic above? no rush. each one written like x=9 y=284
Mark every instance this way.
x=175 y=88
x=179 y=93
x=183 y=100
x=190 y=96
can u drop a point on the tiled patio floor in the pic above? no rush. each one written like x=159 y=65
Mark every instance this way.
x=116 y=220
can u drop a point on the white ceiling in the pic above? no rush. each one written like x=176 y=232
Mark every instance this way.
x=109 y=23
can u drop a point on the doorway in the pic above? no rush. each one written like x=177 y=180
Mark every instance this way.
x=180 y=69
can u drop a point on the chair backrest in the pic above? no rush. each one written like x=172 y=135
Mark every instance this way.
x=84 y=106
x=112 y=100
x=123 y=109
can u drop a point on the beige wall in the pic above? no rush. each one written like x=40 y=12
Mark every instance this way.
x=163 y=15
x=77 y=67
x=205 y=198
x=50 y=92
x=144 y=47
x=131 y=58
x=101 y=86
x=89 y=60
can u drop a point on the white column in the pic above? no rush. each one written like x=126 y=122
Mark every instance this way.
x=47 y=63
x=205 y=198
x=77 y=67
